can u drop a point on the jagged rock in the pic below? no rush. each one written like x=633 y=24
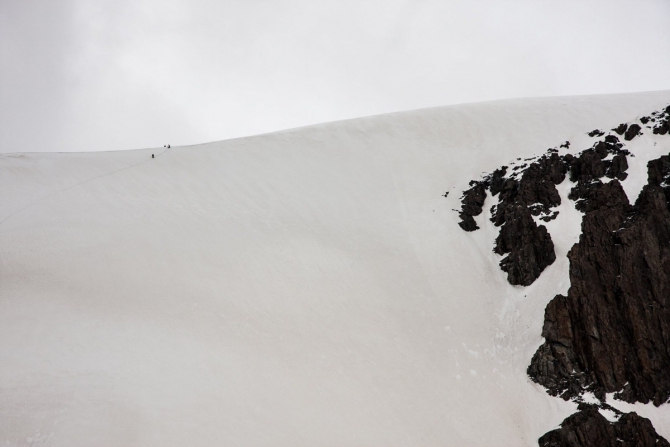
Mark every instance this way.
x=662 y=127
x=596 y=133
x=617 y=167
x=471 y=205
x=537 y=186
x=589 y=428
x=529 y=246
x=612 y=332
x=632 y=132
x=498 y=180
x=662 y=120
x=590 y=166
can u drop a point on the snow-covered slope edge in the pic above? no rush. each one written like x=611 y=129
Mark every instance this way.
x=308 y=287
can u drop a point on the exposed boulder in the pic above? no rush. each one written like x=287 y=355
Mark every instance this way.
x=632 y=132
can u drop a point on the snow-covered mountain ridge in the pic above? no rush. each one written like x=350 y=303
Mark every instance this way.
x=307 y=287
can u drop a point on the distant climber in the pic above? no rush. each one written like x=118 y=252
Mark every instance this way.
x=152 y=155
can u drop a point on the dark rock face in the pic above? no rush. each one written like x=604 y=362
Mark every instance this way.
x=589 y=428
x=590 y=166
x=612 y=332
x=632 y=132
x=535 y=189
x=472 y=203
x=659 y=122
x=587 y=169
x=528 y=246
x=662 y=126
x=662 y=129
x=530 y=191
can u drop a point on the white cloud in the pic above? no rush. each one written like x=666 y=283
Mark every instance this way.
x=85 y=75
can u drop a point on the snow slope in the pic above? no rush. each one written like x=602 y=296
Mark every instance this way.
x=303 y=288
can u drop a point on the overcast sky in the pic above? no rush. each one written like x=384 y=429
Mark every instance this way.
x=79 y=75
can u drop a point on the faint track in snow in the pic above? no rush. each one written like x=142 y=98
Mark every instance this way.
x=78 y=184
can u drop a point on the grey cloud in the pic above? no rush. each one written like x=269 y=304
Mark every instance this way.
x=121 y=74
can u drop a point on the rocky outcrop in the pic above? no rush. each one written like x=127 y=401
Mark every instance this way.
x=659 y=121
x=471 y=205
x=632 y=132
x=589 y=428
x=628 y=132
x=529 y=192
x=611 y=333
x=593 y=164
x=528 y=246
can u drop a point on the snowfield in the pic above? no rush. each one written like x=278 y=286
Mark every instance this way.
x=309 y=287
